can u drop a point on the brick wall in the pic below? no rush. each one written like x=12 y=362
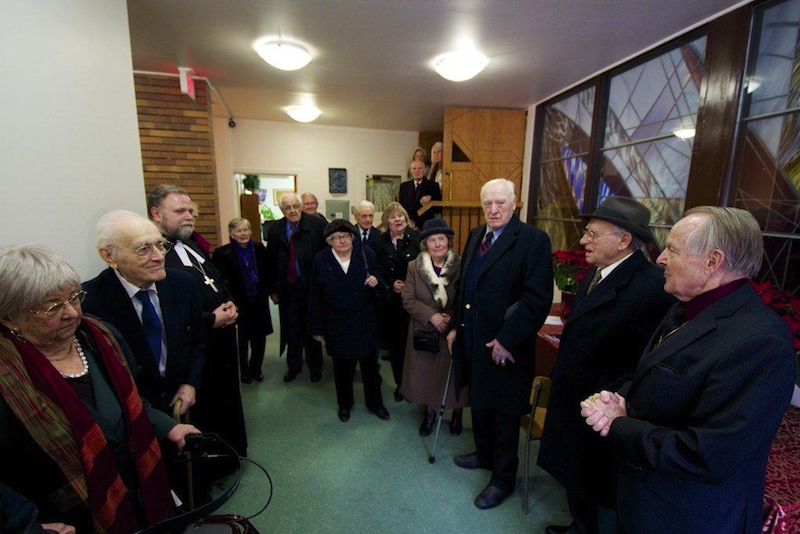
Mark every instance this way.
x=178 y=145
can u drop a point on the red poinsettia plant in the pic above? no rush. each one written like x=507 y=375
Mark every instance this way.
x=785 y=304
x=569 y=268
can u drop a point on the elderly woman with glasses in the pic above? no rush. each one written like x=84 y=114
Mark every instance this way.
x=75 y=437
x=342 y=314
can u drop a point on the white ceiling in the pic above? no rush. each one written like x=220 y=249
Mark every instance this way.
x=372 y=65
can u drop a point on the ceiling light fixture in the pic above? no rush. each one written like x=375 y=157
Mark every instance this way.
x=684 y=133
x=283 y=55
x=303 y=113
x=460 y=65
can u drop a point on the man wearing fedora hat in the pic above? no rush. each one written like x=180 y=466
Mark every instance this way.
x=617 y=307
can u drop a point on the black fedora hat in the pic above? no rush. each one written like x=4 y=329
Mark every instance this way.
x=339 y=225
x=625 y=213
x=435 y=226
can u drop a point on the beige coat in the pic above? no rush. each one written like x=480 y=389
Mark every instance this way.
x=424 y=373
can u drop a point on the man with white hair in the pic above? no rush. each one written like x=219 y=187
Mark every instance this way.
x=692 y=430
x=157 y=310
x=367 y=234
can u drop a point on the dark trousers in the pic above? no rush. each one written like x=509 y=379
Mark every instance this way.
x=496 y=441
x=343 y=379
x=295 y=312
x=257 y=344
x=394 y=329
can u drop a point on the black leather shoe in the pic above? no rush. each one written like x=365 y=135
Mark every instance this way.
x=246 y=379
x=258 y=377
x=557 y=529
x=382 y=413
x=316 y=376
x=289 y=376
x=426 y=427
x=398 y=397
x=470 y=461
x=456 y=425
x=344 y=415
x=490 y=497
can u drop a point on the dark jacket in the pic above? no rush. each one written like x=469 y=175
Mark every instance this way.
x=307 y=242
x=600 y=347
x=340 y=308
x=395 y=260
x=703 y=409
x=182 y=318
x=227 y=264
x=409 y=199
x=512 y=298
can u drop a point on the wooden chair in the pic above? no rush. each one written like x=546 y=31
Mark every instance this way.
x=534 y=424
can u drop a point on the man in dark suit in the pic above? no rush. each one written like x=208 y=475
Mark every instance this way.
x=692 y=430
x=170 y=350
x=617 y=307
x=503 y=298
x=416 y=193
x=292 y=243
x=220 y=409
x=367 y=234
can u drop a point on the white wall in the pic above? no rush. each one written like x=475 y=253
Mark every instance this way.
x=70 y=151
x=307 y=150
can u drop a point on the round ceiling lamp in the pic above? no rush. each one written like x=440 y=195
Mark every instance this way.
x=460 y=65
x=283 y=55
x=304 y=113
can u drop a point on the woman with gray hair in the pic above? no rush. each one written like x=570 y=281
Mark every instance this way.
x=74 y=430
x=428 y=296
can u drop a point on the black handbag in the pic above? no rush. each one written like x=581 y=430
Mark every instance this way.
x=426 y=341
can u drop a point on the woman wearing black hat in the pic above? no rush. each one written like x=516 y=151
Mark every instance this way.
x=428 y=297
x=341 y=314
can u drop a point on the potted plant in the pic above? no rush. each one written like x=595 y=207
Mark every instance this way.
x=569 y=268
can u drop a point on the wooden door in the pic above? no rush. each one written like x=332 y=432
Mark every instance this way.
x=479 y=145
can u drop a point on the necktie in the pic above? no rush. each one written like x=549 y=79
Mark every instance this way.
x=487 y=242
x=291 y=272
x=672 y=322
x=364 y=236
x=151 y=324
x=595 y=280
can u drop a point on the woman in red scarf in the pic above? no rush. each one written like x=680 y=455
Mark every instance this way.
x=75 y=437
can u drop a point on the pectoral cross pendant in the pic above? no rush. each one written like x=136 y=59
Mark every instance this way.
x=210 y=282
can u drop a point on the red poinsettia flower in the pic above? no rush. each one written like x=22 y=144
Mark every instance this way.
x=569 y=268
x=785 y=304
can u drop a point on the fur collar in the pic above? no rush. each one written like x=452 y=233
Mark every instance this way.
x=437 y=284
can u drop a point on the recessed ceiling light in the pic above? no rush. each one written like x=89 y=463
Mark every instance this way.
x=460 y=65
x=684 y=133
x=283 y=55
x=304 y=113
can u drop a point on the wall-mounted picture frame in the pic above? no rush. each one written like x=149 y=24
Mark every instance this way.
x=276 y=195
x=337 y=180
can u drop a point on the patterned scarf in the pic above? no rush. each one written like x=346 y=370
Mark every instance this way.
x=437 y=282
x=63 y=427
x=246 y=260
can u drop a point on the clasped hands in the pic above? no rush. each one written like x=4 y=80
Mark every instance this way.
x=601 y=409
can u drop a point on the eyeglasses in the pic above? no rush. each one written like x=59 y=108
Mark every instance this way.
x=146 y=250
x=591 y=235
x=57 y=308
x=290 y=207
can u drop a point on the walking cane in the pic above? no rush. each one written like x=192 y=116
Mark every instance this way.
x=432 y=458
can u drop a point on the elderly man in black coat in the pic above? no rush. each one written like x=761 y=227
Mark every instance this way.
x=618 y=306
x=503 y=298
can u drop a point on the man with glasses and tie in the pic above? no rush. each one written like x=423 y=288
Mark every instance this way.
x=618 y=306
x=292 y=243
x=156 y=310
x=220 y=408
x=367 y=234
x=504 y=295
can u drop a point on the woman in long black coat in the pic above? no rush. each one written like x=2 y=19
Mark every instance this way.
x=243 y=266
x=399 y=246
x=341 y=313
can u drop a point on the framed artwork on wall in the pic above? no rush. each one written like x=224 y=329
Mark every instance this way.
x=337 y=180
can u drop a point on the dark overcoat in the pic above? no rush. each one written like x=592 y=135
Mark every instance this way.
x=410 y=200
x=602 y=342
x=225 y=259
x=703 y=409
x=339 y=305
x=511 y=301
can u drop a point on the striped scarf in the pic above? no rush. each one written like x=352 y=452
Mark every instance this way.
x=61 y=424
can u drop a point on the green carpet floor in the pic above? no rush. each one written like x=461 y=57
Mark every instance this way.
x=367 y=475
